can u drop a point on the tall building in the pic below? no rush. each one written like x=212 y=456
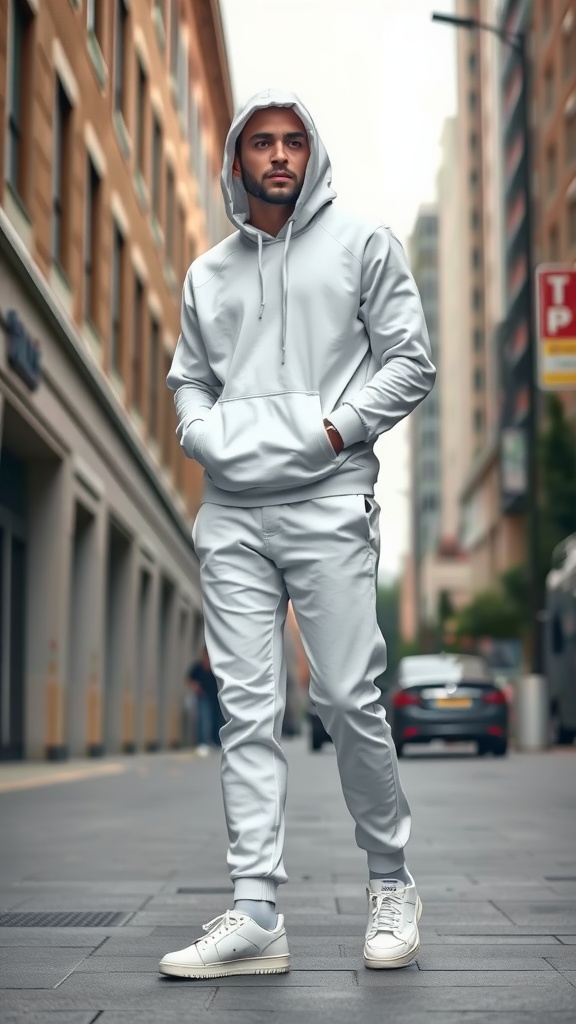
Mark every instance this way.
x=554 y=138
x=113 y=120
x=424 y=423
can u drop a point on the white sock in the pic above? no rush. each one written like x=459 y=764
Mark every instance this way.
x=261 y=911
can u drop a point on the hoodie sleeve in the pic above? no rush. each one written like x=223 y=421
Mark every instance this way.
x=195 y=385
x=391 y=310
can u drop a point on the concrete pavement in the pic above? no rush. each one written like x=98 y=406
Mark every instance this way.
x=493 y=852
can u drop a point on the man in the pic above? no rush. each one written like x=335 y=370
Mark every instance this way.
x=302 y=341
x=202 y=682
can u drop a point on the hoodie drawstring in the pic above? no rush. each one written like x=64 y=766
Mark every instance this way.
x=285 y=288
x=284 y=285
x=261 y=273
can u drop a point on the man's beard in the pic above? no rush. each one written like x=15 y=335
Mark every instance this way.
x=281 y=198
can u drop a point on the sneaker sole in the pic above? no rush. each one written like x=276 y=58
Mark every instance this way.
x=400 y=961
x=255 y=965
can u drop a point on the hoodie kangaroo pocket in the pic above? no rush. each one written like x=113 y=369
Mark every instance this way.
x=274 y=441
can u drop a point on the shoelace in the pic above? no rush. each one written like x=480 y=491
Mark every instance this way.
x=386 y=909
x=224 y=921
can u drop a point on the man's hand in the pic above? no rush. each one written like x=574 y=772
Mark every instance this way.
x=335 y=438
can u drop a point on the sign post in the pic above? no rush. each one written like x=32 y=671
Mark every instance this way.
x=556 y=291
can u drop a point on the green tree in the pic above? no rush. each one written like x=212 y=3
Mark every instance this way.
x=557 y=466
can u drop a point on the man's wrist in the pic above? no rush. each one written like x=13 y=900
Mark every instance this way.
x=335 y=437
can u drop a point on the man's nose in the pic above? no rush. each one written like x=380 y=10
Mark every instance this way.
x=279 y=154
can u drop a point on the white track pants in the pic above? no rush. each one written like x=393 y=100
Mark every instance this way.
x=322 y=554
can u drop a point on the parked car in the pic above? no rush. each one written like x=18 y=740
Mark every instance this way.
x=450 y=697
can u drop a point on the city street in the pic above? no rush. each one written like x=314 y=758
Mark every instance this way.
x=493 y=851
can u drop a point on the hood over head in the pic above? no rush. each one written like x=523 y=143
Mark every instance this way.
x=316 y=190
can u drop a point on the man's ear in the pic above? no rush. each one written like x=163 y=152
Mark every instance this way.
x=236 y=168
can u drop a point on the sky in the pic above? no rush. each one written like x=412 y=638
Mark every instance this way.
x=379 y=79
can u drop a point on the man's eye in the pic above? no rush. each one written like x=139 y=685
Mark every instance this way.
x=296 y=143
x=261 y=143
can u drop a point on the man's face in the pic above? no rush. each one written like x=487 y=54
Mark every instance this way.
x=274 y=152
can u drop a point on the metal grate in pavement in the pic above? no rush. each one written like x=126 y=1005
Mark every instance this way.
x=65 y=919
x=201 y=891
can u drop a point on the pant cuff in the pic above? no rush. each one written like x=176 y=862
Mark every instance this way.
x=385 y=863
x=255 y=889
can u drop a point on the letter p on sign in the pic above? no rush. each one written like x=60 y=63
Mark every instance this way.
x=556 y=291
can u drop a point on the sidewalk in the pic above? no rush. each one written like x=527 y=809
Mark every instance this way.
x=493 y=852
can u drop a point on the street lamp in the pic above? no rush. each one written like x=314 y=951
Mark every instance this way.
x=517 y=42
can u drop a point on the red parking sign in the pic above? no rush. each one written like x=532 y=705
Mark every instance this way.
x=556 y=291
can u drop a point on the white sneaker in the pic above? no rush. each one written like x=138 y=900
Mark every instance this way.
x=203 y=750
x=235 y=944
x=394 y=910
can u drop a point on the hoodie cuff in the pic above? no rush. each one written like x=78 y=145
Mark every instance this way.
x=348 y=424
x=190 y=435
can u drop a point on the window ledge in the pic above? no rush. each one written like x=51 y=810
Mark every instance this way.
x=157 y=233
x=118 y=384
x=170 y=276
x=93 y=339
x=97 y=58
x=18 y=215
x=159 y=27
x=142 y=191
x=61 y=287
x=122 y=134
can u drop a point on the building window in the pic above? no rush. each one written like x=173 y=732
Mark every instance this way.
x=156 y=168
x=472 y=62
x=20 y=45
x=478 y=340
x=551 y=170
x=474 y=219
x=472 y=100
x=549 y=90
x=170 y=214
x=140 y=119
x=476 y=299
x=478 y=379
x=554 y=243
x=174 y=39
x=570 y=134
x=478 y=420
x=474 y=179
x=475 y=258
x=120 y=42
x=473 y=142
x=138 y=345
x=91 y=241
x=95 y=20
x=61 y=177
x=117 y=292
x=153 y=373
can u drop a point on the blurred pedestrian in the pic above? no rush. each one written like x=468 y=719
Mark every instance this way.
x=303 y=339
x=202 y=682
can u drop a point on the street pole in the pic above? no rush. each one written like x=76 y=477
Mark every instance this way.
x=518 y=42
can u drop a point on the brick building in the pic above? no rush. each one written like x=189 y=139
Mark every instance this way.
x=113 y=117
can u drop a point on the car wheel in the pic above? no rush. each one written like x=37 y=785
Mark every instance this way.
x=499 y=748
x=483 y=748
x=399 y=750
x=565 y=737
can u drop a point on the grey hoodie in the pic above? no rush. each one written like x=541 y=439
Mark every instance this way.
x=323 y=320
